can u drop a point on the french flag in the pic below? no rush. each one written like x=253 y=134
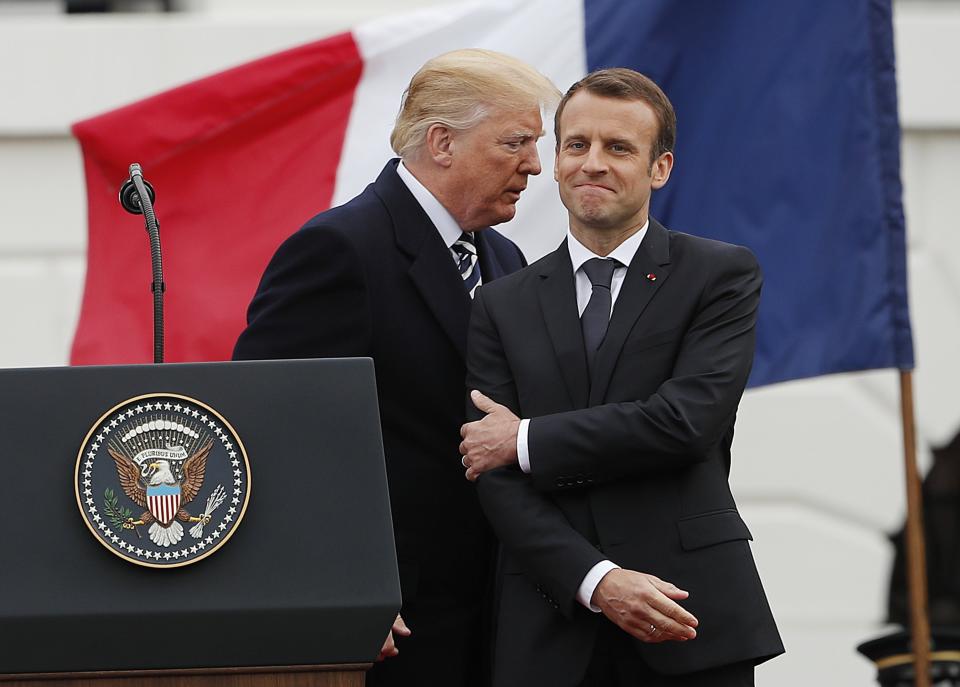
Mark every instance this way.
x=788 y=143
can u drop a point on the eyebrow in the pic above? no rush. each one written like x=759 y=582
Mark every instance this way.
x=524 y=134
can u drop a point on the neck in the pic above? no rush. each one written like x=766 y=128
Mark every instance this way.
x=602 y=242
x=434 y=181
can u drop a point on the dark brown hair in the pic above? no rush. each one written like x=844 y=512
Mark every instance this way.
x=625 y=84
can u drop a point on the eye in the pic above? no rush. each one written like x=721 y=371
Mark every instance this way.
x=618 y=148
x=576 y=145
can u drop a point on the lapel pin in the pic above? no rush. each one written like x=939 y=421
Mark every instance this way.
x=652 y=277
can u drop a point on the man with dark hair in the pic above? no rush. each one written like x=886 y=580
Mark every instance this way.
x=390 y=275
x=626 y=352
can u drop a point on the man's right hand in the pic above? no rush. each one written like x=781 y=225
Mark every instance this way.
x=644 y=606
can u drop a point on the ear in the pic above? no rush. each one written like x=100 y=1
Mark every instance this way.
x=556 y=167
x=660 y=170
x=439 y=144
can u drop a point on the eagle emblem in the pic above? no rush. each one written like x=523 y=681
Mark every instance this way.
x=164 y=494
x=168 y=454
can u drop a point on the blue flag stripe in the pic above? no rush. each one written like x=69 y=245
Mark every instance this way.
x=788 y=143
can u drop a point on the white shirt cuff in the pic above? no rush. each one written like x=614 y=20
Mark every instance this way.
x=523 y=453
x=590 y=582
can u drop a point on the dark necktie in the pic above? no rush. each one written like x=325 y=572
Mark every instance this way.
x=596 y=316
x=465 y=253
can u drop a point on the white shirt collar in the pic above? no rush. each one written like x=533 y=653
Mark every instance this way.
x=624 y=253
x=449 y=230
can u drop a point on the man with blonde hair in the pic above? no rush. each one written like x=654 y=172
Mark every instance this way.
x=390 y=275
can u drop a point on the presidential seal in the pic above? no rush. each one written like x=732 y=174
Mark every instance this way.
x=162 y=480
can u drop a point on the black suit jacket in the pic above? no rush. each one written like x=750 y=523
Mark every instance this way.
x=374 y=278
x=631 y=465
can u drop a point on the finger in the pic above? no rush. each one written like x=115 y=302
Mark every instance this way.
x=669 y=625
x=400 y=627
x=471 y=474
x=668 y=588
x=643 y=631
x=388 y=649
x=662 y=635
x=463 y=448
x=673 y=610
x=482 y=402
x=467 y=428
x=647 y=632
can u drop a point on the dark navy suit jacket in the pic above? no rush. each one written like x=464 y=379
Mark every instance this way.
x=374 y=278
x=628 y=463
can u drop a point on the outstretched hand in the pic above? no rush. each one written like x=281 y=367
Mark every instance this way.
x=490 y=442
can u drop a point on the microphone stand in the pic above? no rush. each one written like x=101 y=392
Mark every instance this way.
x=136 y=197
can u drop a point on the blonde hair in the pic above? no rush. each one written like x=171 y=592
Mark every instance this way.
x=459 y=89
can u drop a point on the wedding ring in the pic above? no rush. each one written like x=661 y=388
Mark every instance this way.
x=463 y=462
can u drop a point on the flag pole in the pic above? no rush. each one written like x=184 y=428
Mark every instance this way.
x=916 y=549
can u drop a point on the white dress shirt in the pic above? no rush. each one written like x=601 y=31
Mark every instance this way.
x=579 y=254
x=449 y=230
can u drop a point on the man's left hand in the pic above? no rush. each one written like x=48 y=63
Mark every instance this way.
x=399 y=629
x=491 y=442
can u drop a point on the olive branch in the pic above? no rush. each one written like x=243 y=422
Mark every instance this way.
x=115 y=513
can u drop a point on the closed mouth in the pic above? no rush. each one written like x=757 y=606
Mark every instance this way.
x=600 y=186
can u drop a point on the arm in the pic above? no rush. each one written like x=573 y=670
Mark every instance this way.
x=687 y=416
x=681 y=423
x=311 y=303
x=529 y=524
x=535 y=531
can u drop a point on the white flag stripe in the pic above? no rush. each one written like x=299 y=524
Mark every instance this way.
x=164 y=507
x=395 y=47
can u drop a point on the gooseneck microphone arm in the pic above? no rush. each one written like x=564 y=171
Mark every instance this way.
x=136 y=197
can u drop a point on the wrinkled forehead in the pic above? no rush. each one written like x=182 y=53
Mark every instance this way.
x=514 y=121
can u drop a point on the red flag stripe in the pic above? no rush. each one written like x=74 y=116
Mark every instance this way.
x=270 y=133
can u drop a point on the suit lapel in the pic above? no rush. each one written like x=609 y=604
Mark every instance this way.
x=558 y=301
x=432 y=268
x=653 y=257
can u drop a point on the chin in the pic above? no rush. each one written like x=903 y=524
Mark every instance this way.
x=591 y=215
x=504 y=215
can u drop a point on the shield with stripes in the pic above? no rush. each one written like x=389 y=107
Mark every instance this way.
x=164 y=502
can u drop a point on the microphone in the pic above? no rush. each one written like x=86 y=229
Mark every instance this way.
x=130 y=196
x=136 y=197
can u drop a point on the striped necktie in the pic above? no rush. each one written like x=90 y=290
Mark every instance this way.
x=465 y=253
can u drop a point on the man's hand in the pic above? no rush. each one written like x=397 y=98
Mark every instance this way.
x=644 y=606
x=390 y=649
x=490 y=442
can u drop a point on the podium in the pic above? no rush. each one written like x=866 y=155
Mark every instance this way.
x=288 y=577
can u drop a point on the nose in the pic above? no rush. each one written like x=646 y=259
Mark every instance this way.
x=530 y=163
x=594 y=161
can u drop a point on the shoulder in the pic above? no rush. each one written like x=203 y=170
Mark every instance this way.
x=360 y=225
x=711 y=254
x=359 y=218
x=506 y=253
x=522 y=283
x=498 y=241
